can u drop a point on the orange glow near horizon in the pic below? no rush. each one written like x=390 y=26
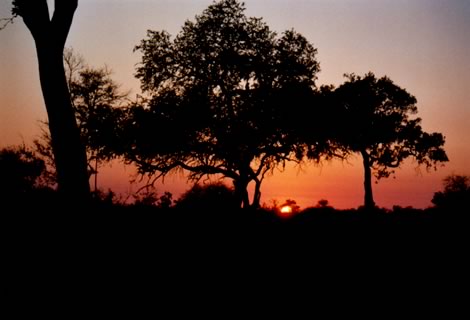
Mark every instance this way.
x=285 y=212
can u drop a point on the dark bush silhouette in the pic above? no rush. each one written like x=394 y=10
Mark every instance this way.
x=456 y=195
x=23 y=185
x=222 y=96
x=20 y=171
x=211 y=197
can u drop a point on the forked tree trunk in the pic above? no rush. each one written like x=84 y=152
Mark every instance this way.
x=50 y=36
x=241 y=193
x=368 y=197
x=242 y=196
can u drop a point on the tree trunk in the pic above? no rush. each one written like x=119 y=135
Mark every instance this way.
x=257 y=195
x=50 y=36
x=241 y=193
x=96 y=174
x=368 y=197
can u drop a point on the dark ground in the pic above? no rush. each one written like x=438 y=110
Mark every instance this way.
x=77 y=259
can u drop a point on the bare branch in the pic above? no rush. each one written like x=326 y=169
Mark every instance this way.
x=5 y=22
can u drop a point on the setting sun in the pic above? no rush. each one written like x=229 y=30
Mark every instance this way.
x=286 y=210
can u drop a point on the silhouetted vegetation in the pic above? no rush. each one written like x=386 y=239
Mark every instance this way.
x=213 y=208
x=226 y=98
x=22 y=180
x=49 y=35
x=375 y=118
x=456 y=195
x=210 y=197
x=96 y=100
x=20 y=170
x=222 y=99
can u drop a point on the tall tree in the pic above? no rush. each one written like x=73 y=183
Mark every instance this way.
x=219 y=99
x=50 y=35
x=375 y=119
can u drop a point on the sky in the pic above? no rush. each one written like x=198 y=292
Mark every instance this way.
x=422 y=45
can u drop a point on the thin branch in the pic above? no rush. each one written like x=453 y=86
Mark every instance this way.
x=4 y=22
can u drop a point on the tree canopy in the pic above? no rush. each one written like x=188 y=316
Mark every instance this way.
x=375 y=118
x=220 y=99
x=96 y=100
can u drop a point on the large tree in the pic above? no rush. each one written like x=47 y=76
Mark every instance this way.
x=220 y=98
x=50 y=35
x=376 y=118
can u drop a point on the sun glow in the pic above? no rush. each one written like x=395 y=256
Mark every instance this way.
x=286 y=210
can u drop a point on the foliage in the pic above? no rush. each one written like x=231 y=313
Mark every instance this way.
x=20 y=170
x=323 y=203
x=43 y=149
x=377 y=117
x=96 y=100
x=148 y=197
x=222 y=99
x=456 y=193
x=213 y=196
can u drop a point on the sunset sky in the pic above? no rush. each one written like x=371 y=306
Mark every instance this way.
x=422 y=45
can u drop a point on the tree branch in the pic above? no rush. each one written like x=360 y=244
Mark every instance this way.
x=4 y=22
x=206 y=169
x=62 y=19
x=35 y=15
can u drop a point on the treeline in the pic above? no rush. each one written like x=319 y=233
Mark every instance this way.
x=26 y=186
x=228 y=97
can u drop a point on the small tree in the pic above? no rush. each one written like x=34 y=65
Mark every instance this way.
x=375 y=119
x=96 y=99
x=456 y=194
x=220 y=99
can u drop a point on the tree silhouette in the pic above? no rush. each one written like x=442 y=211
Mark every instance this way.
x=375 y=120
x=220 y=97
x=49 y=35
x=456 y=194
x=20 y=170
x=96 y=100
x=212 y=197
